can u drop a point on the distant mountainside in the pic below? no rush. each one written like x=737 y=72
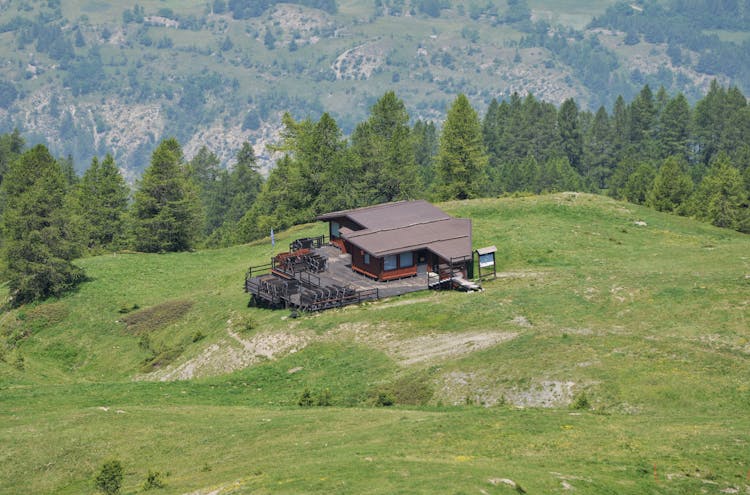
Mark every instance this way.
x=89 y=77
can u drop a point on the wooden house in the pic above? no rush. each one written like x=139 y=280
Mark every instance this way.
x=395 y=240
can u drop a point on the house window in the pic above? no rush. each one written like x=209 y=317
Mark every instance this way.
x=390 y=262
x=367 y=259
x=406 y=259
x=335 y=229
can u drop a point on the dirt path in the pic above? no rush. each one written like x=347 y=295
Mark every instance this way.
x=237 y=352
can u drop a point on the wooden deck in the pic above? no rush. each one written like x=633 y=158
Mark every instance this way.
x=338 y=285
x=339 y=271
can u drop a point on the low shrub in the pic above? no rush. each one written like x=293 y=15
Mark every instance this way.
x=109 y=479
x=153 y=480
x=581 y=401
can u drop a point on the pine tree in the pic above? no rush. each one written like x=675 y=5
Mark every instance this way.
x=642 y=114
x=384 y=146
x=513 y=146
x=462 y=159
x=245 y=183
x=69 y=171
x=101 y=200
x=570 y=132
x=624 y=169
x=557 y=175
x=539 y=133
x=11 y=147
x=302 y=183
x=205 y=173
x=643 y=123
x=494 y=132
x=166 y=212
x=639 y=183
x=674 y=128
x=39 y=243
x=721 y=197
x=671 y=188
x=520 y=175
x=598 y=160
x=620 y=129
x=425 y=139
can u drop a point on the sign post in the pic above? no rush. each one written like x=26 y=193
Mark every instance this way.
x=487 y=261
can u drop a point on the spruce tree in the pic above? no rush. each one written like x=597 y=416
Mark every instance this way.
x=206 y=174
x=721 y=197
x=166 y=212
x=245 y=183
x=101 y=200
x=597 y=157
x=674 y=128
x=307 y=180
x=385 y=150
x=671 y=187
x=570 y=132
x=642 y=117
x=495 y=131
x=639 y=183
x=425 y=139
x=11 y=147
x=620 y=128
x=462 y=159
x=520 y=175
x=557 y=175
x=39 y=241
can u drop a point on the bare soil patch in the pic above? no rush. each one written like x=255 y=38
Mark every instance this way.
x=156 y=317
x=442 y=347
x=459 y=387
x=233 y=353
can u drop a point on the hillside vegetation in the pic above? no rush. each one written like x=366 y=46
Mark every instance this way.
x=609 y=356
x=91 y=77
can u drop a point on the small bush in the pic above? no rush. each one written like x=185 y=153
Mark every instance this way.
x=306 y=399
x=19 y=362
x=109 y=479
x=581 y=401
x=384 y=399
x=198 y=336
x=125 y=310
x=153 y=480
x=246 y=324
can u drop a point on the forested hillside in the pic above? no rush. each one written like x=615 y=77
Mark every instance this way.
x=89 y=78
x=656 y=150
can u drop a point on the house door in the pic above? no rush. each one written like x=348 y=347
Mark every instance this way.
x=422 y=259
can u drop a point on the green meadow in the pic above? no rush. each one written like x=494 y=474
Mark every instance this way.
x=611 y=355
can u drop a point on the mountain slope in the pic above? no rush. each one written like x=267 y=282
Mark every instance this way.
x=95 y=77
x=633 y=318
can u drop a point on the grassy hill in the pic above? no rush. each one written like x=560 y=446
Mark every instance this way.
x=608 y=357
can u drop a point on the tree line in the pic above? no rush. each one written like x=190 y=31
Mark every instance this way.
x=656 y=150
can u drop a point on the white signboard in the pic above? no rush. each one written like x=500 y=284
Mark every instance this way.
x=486 y=260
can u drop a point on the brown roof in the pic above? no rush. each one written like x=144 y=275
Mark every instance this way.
x=391 y=215
x=393 y=228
